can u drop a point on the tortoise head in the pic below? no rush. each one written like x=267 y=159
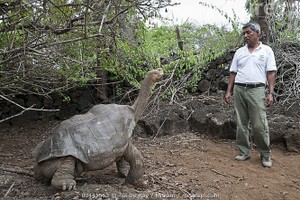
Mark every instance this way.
x=155 y=74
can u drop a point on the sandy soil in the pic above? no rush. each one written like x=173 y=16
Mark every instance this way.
x=183 y=166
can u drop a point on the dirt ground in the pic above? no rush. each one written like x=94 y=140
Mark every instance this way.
x=183 y=166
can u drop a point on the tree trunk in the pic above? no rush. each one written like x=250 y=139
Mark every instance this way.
x=101 y=74
x=289 y=13
x=179 y=40
x=262 y=20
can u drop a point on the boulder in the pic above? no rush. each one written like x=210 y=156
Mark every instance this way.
x=172 y=121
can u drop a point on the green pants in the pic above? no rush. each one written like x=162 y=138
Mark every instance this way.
x=250 y=106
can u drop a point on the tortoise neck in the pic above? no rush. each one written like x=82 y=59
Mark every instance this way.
x=142 y=99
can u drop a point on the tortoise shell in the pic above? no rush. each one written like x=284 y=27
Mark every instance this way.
x=104 y=131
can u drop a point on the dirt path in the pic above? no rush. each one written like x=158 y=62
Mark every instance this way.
x=185 y=166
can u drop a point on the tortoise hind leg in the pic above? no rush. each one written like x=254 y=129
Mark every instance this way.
x=122 y=167
x=44 y=171
x=135 y=159
x=63 y=178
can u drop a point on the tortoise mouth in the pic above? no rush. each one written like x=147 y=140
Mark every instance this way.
x=160 y=72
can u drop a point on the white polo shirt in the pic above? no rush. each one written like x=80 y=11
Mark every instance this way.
x=253 y=67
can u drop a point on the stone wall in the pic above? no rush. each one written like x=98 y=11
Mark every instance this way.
x=72 y=103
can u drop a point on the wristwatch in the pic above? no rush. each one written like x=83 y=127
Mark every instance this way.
x=272 y=93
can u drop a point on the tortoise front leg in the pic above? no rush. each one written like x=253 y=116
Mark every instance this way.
x=135 y=159
x=63 y=178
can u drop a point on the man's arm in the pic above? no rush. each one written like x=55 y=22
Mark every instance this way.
x=271 y=76
x=228 y=97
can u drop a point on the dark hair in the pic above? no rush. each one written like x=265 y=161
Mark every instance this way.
x=253 y=25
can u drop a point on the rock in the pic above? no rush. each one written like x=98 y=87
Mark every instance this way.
x=57 y=100
x=5 y=109
x=173 y=121
x=221 y=125
x=66 y=111
x=292 y=140
x=203 y=86
x=85 y=101
x=33 y=100
x=277 y=125
x=198 y=122
x=286 y=130
x=48 y=102
x=20 y=101
x=223 y=83
x=212 y=74
x=83 y=104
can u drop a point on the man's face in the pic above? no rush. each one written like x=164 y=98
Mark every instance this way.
x=250 y=36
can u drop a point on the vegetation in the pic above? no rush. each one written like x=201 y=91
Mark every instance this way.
x=279 y=19
x=52 y=46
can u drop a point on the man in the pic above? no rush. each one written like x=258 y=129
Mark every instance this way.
x=253 y=66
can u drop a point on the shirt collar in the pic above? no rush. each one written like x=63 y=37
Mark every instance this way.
x=259 y=46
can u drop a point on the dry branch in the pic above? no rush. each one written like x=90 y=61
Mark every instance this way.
x=17 y=171
x=288 y=75
x=9 y=189
x=163 y=184
x=227 y=175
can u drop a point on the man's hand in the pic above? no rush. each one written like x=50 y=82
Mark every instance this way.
x=269 y=100
x=228 y=97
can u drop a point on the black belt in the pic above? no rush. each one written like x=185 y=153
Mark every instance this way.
x=250 y=85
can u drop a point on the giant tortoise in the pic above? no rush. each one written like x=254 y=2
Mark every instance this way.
x=93 y=141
